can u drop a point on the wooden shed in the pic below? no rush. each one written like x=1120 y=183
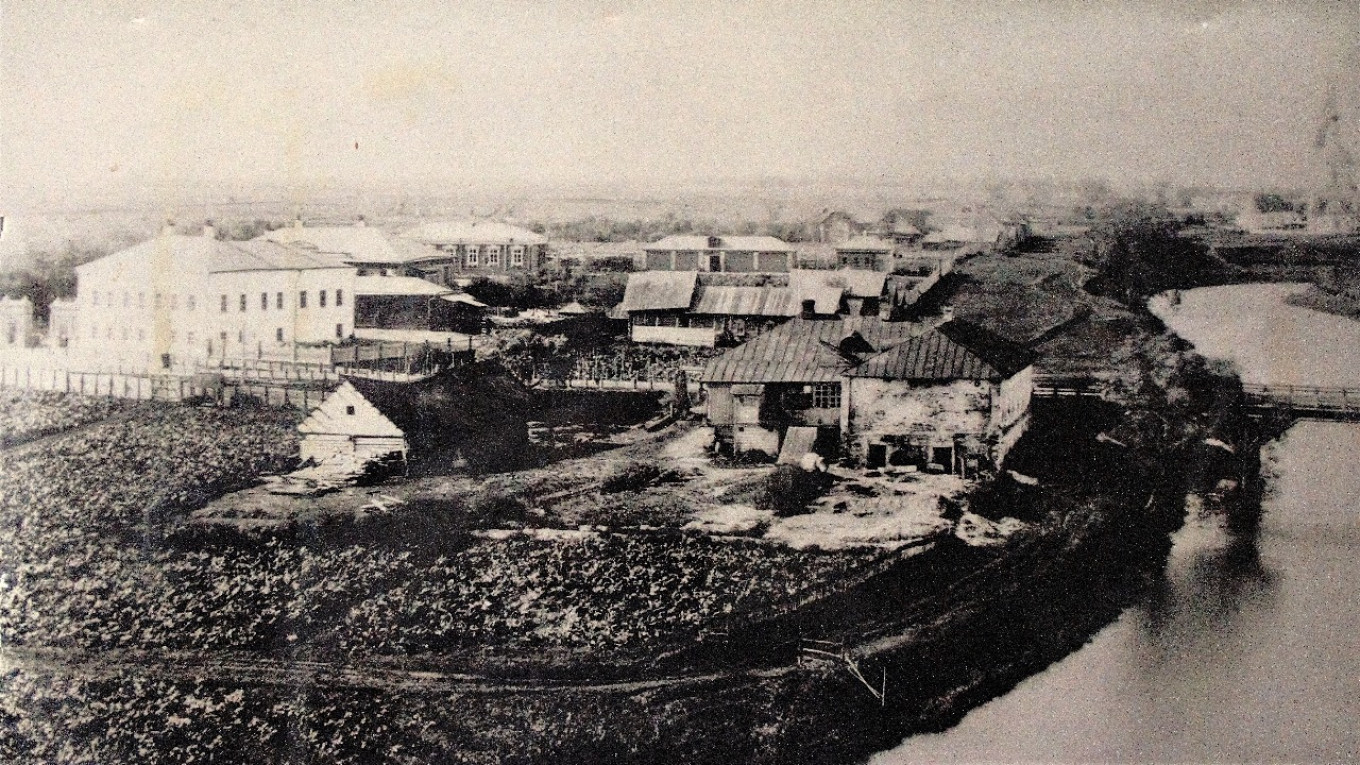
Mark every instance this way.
x=350 y=427
x=475 y=416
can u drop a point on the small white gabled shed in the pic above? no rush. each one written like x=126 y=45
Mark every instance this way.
x=349 y=426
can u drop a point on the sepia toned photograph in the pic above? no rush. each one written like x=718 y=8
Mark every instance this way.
x=623 y=381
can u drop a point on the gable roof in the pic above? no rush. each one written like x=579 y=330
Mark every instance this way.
x=803 y=350
x=659 y=290
x=692 y=242
x=473 y=232
x=333 y=418
x=182 y=256
x=956 y=350
x=746 y=301
x=348 y=244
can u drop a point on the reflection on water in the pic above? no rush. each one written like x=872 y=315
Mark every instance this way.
x=1246 y=649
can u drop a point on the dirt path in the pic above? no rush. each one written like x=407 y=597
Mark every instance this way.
x=241 y=667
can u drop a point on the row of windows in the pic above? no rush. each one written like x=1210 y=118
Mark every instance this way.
x=140 y=334
x=278 y=300
x=488 y=254
x=107 y=298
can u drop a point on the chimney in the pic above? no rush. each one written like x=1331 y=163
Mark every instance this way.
x=209 y=230
x=168 y=229
x=809 y=309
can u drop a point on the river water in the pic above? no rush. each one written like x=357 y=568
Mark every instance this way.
x=1249 y=647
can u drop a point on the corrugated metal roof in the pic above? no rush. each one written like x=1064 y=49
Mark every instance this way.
x=473 y=232
x=956 y=350
x=690 y=242
x=803 y=350
x=746 y=301
x=397 y=285
x=659 y=290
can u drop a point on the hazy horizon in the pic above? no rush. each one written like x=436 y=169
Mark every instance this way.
x=315 y=95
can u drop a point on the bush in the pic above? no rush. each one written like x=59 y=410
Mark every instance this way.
x=636 y=476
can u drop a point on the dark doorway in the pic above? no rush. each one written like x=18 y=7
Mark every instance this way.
x=878 y=455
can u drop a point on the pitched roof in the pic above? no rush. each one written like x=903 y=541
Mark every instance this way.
x=956 y=350
x=473 y=232
x=691 y=242
x=183 y=256
x=854 y=282
x=333 y=418
x=746 y=301
x=803 y=350
x=397 y=285
x=659 y=290
x=350 y=244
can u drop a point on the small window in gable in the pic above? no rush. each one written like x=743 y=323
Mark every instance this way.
x=349 y=409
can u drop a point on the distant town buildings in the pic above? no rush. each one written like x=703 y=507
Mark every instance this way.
x=708 y=309
x=735 y=254
x=476 y=248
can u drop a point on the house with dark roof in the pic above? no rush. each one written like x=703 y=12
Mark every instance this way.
x=953 y=397
x=791 y=376
x=710 y=309
x=956 y=397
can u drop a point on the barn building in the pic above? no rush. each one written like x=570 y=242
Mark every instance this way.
x=473 y=417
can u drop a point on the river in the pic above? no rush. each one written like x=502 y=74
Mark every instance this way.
x=1248 y=649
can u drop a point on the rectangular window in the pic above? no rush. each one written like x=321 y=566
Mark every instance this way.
x=278 y=334
x=517 y=256
x=493 y=255
x=340 y=330
x=157 y=300
x=302 y=299
x=321 y=299
x=339 y=298
x=224 y=304
x=264 y=301
x=278 y=301
x=243 y=302
x=472 y=255
x=826 y=396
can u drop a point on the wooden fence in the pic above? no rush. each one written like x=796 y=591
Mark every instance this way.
x=165 y=387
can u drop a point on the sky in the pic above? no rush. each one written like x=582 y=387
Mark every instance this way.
x=481 y=94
